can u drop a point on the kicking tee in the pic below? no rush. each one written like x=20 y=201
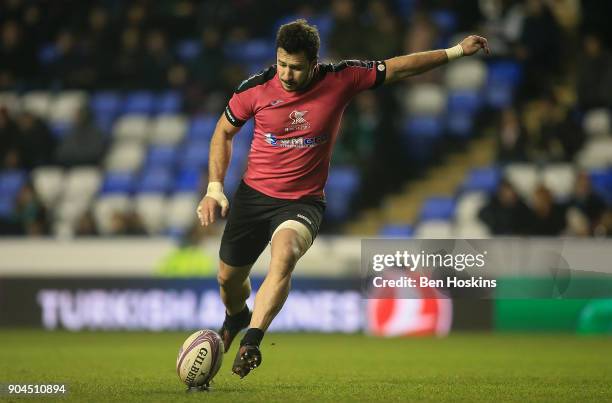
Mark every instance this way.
x=294 y=132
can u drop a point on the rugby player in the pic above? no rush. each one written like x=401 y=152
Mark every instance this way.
x=297 y=105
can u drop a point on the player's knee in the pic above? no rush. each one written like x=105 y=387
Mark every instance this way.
x=228 y=275
x=286 y=254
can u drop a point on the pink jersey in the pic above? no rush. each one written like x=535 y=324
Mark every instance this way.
x=295 y=131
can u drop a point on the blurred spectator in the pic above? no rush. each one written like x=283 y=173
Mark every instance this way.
x=346 y=27
x=69 y=68
x=128 y=60
x=211 y=59
x=86 y=225
x=9 y=152
x=505 y=213
x=548 y=217
x=587 y=202
x=511 y=140
x=383 y=37
x=594 y=75
x=356 y=144
x=157 y=61
x=189 y=259
x=84 y=144
x=29 y=216
x=127 y=224
x=35 y=143
x=538 y=48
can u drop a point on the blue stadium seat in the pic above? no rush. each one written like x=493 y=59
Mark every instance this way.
x=188 y=49
x=504 y=72
x=397 y=231
x=47 y=53
x=169 y=102
x=419 y=135
x=601 y=181
x=194 y=155
x=460 y=124
x=342 y=184
x=463 y=101
x=60 y=129
x=161 y=156
x=155 y=180
x=201 y=128
x=188 y=180
x=482 y=180
x=445 y=20
x=105 y=103
x=250 y=51
x=118 y=182
x=438 y=208
x=139 y=102
x=499 y=95
x=11 y=182
x=7 y=204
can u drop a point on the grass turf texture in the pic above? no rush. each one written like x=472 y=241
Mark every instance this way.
x=135 y=367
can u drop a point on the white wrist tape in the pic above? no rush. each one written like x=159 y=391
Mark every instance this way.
x=454 y=53
x=215 y=191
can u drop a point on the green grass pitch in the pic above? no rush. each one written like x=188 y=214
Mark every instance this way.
x=469 y=367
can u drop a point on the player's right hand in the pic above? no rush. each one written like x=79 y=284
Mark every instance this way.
x=214 y=198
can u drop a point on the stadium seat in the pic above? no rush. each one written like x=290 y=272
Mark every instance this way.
x=201 y=128
x=60 y=129
x=167 y=129
x=151 y=209
x=419 y=135
x=437 y=208
x=48 y=183
x=425 y=99
x=139 y=102
x=170 y=102
x=125 y=156
x=66 y=105
x=596 y=154
x=10 y=100
x=68 y=212
x=460 y=124
x=482 y=179
x=37 y=103
x=471 y=230
x=82 y=183
x=257 y=51
x=469 y=205
x=466 y=74
x=434 y=229
x=11 y=182
x=7 y=205
x=194 y=155
x=423 y=126
x=342 y=184
x=560 y=179
x=396 y=231
x=105 y=102
x=188 y=49
x=155 y=180
x=504 y=72
x=596 y=123
x=188 y=180
x=524 y=178
x=104 y=209
x=161 y=156
x=180 y=211
x=499 y=96
x=118 y=182
x=444 y=20
x=463 y=101
x=132 y=127
x=601 y=181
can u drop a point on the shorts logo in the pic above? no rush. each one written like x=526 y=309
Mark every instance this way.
x=295 y=142
x=304 y=218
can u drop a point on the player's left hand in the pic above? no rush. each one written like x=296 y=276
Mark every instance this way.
x=473 y=44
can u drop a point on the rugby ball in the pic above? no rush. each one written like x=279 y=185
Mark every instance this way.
x=200 y=358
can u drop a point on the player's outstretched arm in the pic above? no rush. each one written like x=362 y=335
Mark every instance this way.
x=401 y=67
x=220 y=156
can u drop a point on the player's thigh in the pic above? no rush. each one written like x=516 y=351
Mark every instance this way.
x=290 y=241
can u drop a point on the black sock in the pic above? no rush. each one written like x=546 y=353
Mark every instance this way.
x=252 y=337
x=238 y=318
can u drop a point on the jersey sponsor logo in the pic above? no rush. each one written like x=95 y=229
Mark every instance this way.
x=295 y=142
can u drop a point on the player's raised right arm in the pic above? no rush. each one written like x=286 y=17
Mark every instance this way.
x=220 y=155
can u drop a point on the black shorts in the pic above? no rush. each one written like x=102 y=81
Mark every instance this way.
x=253 y=217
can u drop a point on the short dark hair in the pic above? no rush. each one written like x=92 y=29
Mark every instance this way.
x=299 y=36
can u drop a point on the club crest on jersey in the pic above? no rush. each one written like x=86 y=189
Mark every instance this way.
x=297 y=117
